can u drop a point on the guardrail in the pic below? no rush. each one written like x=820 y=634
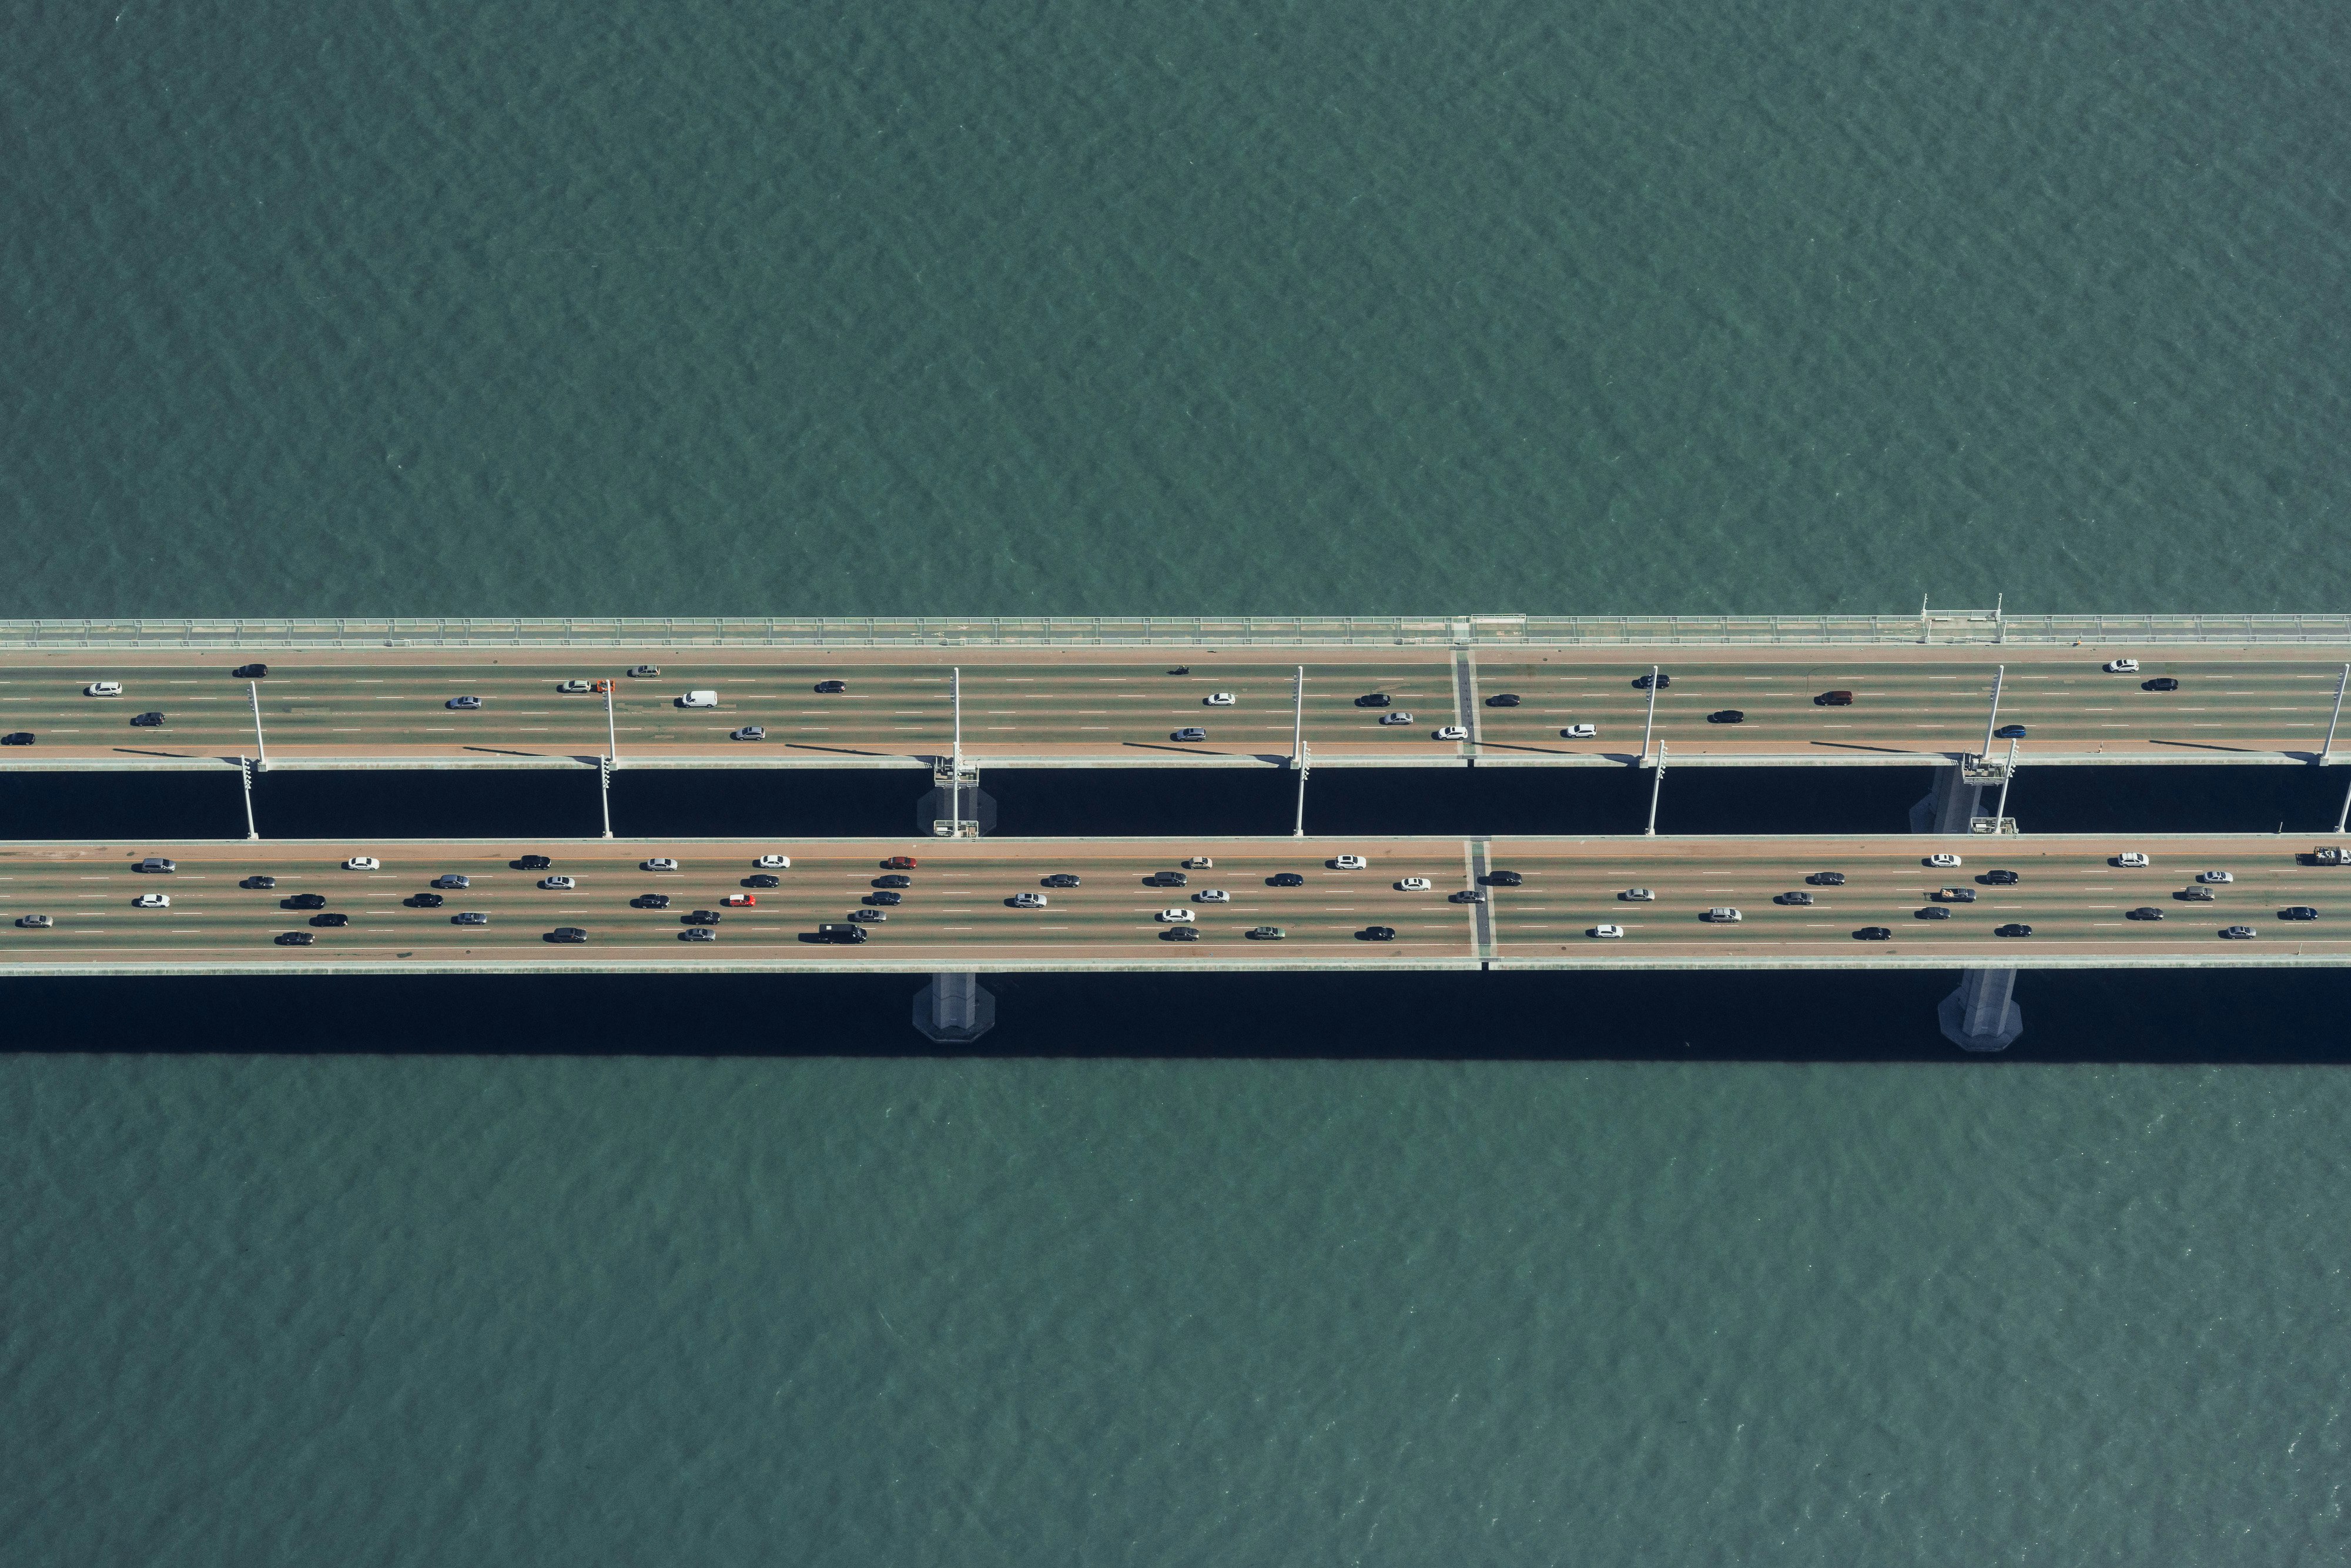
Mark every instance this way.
x=1987 y=628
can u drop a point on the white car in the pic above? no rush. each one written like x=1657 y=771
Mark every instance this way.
x=571 y=688
x=2122 y=666
x=1581 y=732
x=1943 y=862
x=1395 y=718
x=557 y=883
x=1606 y=931
x=102 y=689
x=1028 y=901
x=773 y=862
x=1212 y=895
x=1723 y=914
x=658 y=862
x=363 y=862
x=1199 y=862
x=1175 y=917
x=1637 y=895
x=698 y=699
x=1348 y=862
x=1414 y=885
x=2131 y=858
x=153 y=900
x=2216 y=877
x=1452 y=732
x=1217 y=699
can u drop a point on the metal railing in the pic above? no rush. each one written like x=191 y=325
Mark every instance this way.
x=1987 y=628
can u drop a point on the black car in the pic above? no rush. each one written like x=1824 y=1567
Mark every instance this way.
x=296 y=938
x=251 y=672
x=1179 y=933
x=2009 y=732
x=2144 y=912
x=891 y=881
x=532 y=863
x=1285 y=879
x=1839 y=698
x=567 y=934
x=2298 y=912
x=332 y=917
x=427 y=901
x=1467 y=895
x=1376 y=934
x=259 y=884
x=1998 y=879
x=303 y=901
x=2013 y=929
x=1933 y=912
x=148 y=721
x=832 y=933
x=1642 y=683
x=762 y=880
x=1167 y=879
x=1059 y=878
x=1799 y=899
x=889 y=895
x=650 y=901
x=1873 y=934
x=17 y=737
x=1726 y=715
x=2160 y=683
x=1181 y=670
x=1373 y=699
x=1503 y=699
x=867 y=914
x=1827 y=879
x=832 y=688
x=700 y=917
x=1503 y=879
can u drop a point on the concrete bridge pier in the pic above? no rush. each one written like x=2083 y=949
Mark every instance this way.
x=1951 y=806
x=1982 y=1015
x=954 y=1009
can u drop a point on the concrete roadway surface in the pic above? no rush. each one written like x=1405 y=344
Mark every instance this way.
x=957 y=913
x=1120 y=707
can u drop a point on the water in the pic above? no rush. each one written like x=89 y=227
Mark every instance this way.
x=517 y=306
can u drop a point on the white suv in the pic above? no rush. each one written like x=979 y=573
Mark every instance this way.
x=1452 y=732
x=1348 y=862
x=102 y=689
x=1723 y=914
x=1028 y=901
x=1606 y=931
x=2131 y=858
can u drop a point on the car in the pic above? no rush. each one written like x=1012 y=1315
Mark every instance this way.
x=1606 y=931
x=1954 y=895
x=1838 y=698
x=2328 y=854
x=1793 y=898
x=2298 y=912
x=2121 y=666
x=2216 y=877
x=600 y=686
x=1217 y=699
x=1212 y=895
x=2013 y=928
x=1504 y=879
x=1722 y=915
x=469 y=917
x=658 y=862
x=1167 y=879
x=251 y=672
x=567 y=934
x=762 y=879
x=1413 y=884
x=650 y=901
x=532 y=863
x=1265 y=934
x=2131 y=858
x=1059 y=878
x=1825 y=879
x=259 y=884
x=157 y=865
x=780 y=863
x=740 y=900
x=1503 y=699
x=2144 y=912
x=700 y=917
x=303 y=901
x=1376 y=934
x=1999 y=879
x=1580 y=732
x=749 y=732
x=1180 y=934
x=639 y=671
x=17 y=738
x=571 y=688
x=332 y=917
x=888 y=897
x=1027 y=900
x=1199 y=862
x=452 y=880
x=1348 y=862
x=2197 y=894
x=1726 y=715
x=2009 y=732
x=1450 y=732
x=296 y=938
x=363 y=862
x=697 y=933
x=147 y=721
x=1874 y=934
x=1285 y=879
x=462 y=703
x=848 y=935
x=832 y=688
x=35 y=922
x=102 y=689
x=557 y=884
x=1189 y=732
x=1395 y=717
x=1943 y=862
x=1636 y=895
x=2238 y=933
x=1369 y=699
x=698 y=699
x=424 y=901
x=1931 y=912
x=869 y=915
x=1646 y=683
x=2160 y=683
x=1467 y=895
x=893 y=880
x=1175 y=917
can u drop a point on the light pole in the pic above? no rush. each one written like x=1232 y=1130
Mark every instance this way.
x=1298 y=751
x=1656 y=784
x=2328 y=747
x=604 y=780
x=2000 y=811
x=245 y=769
x=611 y=730
x=1652 y=723
x=2344 y=815
x=1997 y=675
x=253 y=689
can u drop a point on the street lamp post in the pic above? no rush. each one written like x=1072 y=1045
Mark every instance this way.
x=1656 y=784
x=1298 y=751
x=1991 y=721
x=2000 y=811
x=1651 y=725
x=253 y=689
x=2327 y=748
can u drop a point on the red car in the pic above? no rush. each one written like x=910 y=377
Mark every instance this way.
x=900 y=862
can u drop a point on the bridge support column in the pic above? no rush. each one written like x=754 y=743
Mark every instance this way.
x=954 y=1009
x=1982 y=1015
x=1951 y=806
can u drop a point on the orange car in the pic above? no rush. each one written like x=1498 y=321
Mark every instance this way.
x=900 y=862
x=739 y=899
x=601 y=686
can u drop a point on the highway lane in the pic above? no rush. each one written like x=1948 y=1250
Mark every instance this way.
x=958 y=914
x=1121 y=707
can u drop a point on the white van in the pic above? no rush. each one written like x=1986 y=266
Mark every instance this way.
x=698 y=699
